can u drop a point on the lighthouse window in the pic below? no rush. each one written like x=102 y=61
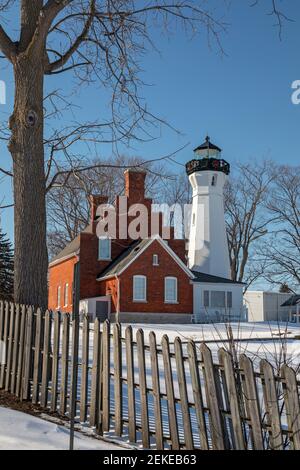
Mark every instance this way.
x=217 y=299
x=214 y=180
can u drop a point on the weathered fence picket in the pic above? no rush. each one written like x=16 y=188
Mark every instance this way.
x=130 y=384
x=252 y=401
x=95 y=379
x=84 y=369
x=106 y=377
x=10 y=347
x=64 y=363
x=15 y=349
x=143 y=388
x=164 y=395
x=159 y=438
x=55 y=361
x=173 y=424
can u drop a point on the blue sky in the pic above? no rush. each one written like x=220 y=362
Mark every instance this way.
x=241 y=99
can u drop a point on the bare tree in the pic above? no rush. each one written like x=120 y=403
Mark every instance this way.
x=283 y=247
x=96 y=40
x=247 y=221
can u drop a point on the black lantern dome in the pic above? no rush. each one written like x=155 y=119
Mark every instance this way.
x=207 y=159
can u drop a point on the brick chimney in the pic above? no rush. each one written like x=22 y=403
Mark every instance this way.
x=95 y=201
x=135 y=184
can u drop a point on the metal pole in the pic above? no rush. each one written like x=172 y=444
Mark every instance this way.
x=75 y=341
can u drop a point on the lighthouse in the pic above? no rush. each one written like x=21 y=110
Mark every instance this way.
x=208 y=247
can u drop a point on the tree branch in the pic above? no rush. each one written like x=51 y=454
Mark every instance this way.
x=6 y=45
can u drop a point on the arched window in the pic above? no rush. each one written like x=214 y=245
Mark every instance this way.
x=171 y=294
x=139 y=288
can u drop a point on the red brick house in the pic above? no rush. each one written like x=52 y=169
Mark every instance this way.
x=134 y=280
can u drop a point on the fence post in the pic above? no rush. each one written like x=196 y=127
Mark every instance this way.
x=64 y=363
x=118 y=378
x=217 y=428
x=271 y=399
x=291 y=398
x=143 y=388
x=55 y=361
x=130 y=384
x=37 y=357
x=5 y=335
x=21 y=351
x=46 y=361
x=106 y=376
x=10 y=346
x=84 y=368
x=251 y=399
x=156 y=392
x=25 y=394
x=173 y=425
x=188 y=435
x=225 y=359
x=197 y=392
x=95 y=374
x=15 y=349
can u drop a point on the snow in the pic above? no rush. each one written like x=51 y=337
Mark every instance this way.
x=21 y=431
x=217 y=331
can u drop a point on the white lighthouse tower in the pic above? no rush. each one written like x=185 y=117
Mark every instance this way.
x=208 y=247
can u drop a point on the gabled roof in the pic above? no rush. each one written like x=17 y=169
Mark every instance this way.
x=133 y=252
x=293 y=300
x=71 y=249
x=203 y=277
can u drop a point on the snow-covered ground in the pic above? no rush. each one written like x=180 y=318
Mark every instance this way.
x=217 y=331
x=20 y=431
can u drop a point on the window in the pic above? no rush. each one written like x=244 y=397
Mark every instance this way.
x=214 y=180
x=155 y=260
x=206 y=298
x=217 y=299
x=194 y=218
x=58 y=296
x=139 y=288
x=171 y=290
x=229 y=299
x=104 y=249
x=66 y=294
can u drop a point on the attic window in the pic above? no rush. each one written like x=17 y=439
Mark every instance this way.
x=155 y=260
x=104 y=249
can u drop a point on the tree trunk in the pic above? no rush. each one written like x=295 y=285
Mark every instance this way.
x=26 y=147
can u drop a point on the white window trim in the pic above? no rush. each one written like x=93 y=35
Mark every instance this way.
x=109 y=255
x=176 y=287
x=133 y=289
x=66 y=298
x=58 y=296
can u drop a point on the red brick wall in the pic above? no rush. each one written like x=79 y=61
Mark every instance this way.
x=155 y=284
x=59 y=275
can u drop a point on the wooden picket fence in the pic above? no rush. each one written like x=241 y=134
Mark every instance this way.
x=161 y=396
